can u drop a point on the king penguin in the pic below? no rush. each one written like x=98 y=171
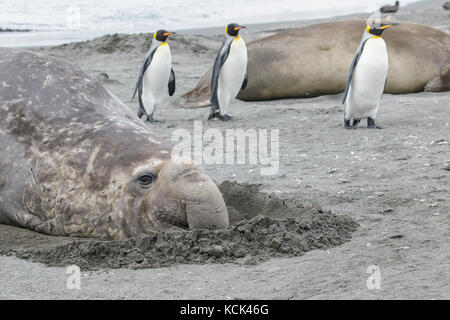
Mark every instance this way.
x=155 y=74
x=367 y=78
x=229 y=72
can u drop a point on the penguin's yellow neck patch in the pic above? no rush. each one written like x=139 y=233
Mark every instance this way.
x=237 y=37
x=163 y=44
x=376 y=37
x=154 y=35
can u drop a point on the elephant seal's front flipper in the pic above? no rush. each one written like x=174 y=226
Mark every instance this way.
x=441 y=82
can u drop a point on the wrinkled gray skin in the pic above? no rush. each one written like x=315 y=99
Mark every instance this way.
x=71 y=153
x=315 y=60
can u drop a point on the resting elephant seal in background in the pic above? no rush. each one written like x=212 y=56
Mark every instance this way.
x=76 y=162
x=315 y=60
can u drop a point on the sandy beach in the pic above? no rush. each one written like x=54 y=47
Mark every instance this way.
x=392 y=184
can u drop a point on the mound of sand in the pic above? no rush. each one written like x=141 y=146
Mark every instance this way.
x=136 y=43
x=262 y=226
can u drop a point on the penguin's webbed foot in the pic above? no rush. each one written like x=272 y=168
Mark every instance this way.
x=356 y=123
x=217 y=115
x=347 y=124
x=150 y=119
x=213 y=114
x=224 y=117
x=140 y=114
x=371 y=124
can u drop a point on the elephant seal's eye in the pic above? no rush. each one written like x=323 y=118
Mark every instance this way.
x=146 y=179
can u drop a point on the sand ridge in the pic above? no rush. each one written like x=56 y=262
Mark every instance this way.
x=263 y=226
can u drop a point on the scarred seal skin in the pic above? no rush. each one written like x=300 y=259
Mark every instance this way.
x=315 y=60
x=76 y=162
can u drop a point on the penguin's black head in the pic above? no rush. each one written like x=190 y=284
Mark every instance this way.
x=161 y=35
x=378 y=28
x=233 y=29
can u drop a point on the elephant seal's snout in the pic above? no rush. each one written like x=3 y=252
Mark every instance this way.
x=209 y=211
x=188 y=197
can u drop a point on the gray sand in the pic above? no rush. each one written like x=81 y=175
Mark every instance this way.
x=394 y=183
x=263 y=226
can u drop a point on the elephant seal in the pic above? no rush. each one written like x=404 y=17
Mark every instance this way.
x=315 y=60
x=389 y=8
x=76 y=162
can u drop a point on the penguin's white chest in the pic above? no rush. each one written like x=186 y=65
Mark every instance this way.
x=368 y=80
x=156 y=78
x=233 y=71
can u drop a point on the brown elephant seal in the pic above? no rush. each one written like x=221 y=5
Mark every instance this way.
x=76 y=162
x=315 y=60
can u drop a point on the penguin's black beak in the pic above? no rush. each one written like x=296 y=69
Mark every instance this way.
x=239 y=28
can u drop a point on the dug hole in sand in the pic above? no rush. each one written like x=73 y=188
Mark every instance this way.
x=261 y=226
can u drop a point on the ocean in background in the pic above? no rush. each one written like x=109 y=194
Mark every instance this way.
x=53 y=22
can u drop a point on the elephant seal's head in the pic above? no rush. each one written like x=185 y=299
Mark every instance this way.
x=131 y=185
x=116 y=183
x=173 y=193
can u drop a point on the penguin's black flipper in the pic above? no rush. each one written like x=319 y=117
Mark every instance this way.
x=141 y=110
x=172 y=83
x=147 y=61
x=244 y=84
x=218 y=63
x=353 y=66
x=140 y=113
x=384 y=88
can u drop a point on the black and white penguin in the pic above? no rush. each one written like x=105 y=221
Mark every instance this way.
x=367 y=78
x=229 y=72
x=155 y=74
